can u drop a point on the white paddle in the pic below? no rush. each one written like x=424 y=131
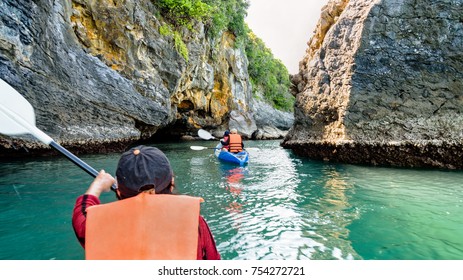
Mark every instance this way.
x=17 y=117
x=205 y=135
x=200 y=148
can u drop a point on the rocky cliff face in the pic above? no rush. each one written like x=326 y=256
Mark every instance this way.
x=381 y=83
x=99 y=74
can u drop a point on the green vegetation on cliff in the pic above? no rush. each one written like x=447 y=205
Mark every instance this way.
x=228 y=15
x=183 y=12
x=267 y=74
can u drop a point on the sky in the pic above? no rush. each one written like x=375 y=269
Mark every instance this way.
x=285 y=26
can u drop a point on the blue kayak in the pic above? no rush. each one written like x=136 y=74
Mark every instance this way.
x=240 y=158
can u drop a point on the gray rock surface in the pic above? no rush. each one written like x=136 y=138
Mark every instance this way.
x=383 y=80
x=100 y=73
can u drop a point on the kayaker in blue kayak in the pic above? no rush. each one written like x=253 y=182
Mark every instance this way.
x=233 y=143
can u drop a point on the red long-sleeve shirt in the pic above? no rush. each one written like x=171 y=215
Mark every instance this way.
x=206 y=244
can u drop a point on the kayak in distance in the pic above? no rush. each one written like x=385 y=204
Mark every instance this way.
x=240 y=158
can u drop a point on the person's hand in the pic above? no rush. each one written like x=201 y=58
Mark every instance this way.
x=102 y=183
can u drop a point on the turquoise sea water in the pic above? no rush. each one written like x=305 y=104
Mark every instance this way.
x=280 y=206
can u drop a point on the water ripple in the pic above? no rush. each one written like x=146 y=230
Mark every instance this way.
x=279 y=206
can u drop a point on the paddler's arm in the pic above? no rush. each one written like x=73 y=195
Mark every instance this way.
x=207 y=249
x=102 y=183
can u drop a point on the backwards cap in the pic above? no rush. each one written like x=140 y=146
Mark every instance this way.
x=142 y=166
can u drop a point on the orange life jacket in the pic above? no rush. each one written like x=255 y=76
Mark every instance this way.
x=144 y=227
x=235 y=143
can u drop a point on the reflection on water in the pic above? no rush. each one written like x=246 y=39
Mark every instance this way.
x=233 y=176
x=325 y=197
x=279 y=206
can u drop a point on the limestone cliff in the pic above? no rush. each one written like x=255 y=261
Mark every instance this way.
x=381 y=83
x=100 y=74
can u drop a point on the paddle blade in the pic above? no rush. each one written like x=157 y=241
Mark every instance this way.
x=198 y=148
x=13 y=104
x=205 y=135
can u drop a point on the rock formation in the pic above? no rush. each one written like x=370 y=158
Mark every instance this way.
x=100 y=74
x=382 y=83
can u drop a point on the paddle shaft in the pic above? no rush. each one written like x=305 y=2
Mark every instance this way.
x=77 y=161
x=87 y=168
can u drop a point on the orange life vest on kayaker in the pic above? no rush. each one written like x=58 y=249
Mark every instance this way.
x=235 y=143
x=144 y=227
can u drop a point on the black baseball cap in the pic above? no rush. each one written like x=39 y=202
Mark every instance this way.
x=141 y=167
